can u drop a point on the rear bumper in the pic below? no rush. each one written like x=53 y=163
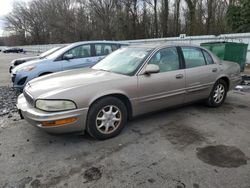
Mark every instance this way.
x=35 y=117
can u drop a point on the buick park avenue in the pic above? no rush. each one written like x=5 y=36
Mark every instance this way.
x=129 y=82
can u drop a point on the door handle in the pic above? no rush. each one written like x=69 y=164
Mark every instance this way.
x=214 y=70
x=179 y=76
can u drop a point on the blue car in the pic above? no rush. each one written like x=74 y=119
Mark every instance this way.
x=76 y=55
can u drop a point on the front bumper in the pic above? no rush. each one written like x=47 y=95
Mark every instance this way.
x=36 y=117
x=20 y=80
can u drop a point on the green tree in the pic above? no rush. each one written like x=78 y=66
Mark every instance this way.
x=238 y=16
x=245 y=16
x=234 y=17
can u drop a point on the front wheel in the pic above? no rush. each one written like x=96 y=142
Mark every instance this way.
x=218 y=94
x=106 y=118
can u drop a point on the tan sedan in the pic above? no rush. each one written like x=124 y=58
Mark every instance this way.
x=129 y=82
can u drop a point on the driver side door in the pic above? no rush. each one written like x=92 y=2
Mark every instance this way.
x=81 y=56
x=165 y=88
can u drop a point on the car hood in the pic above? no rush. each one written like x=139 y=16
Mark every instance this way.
x=52 y=84
x=27 y=58
x=29 y=63
x=24 y=59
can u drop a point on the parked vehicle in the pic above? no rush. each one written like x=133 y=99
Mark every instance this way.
x=76 y=55
x=13 y=50
x=129 y=82
x=20 y=61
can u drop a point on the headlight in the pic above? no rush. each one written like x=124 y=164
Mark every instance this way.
x=28 y=68
x=55 y=105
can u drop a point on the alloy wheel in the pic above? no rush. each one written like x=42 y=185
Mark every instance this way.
x=219 y=93
x=108 y=119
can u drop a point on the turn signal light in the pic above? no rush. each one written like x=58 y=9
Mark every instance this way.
x=58 y=122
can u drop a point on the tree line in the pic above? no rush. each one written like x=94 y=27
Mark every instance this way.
x=64 y=21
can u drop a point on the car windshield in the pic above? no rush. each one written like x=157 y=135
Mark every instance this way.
x=123 y=61
x=59 y=52
x=44 y=54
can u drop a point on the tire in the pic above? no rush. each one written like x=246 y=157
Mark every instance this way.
x=221 y=88
x=101 y=123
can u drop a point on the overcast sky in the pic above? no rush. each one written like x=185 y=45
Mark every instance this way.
x=5 y=8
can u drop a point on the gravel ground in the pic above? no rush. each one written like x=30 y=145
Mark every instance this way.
x=8 y=110
x=5 y=60
x=192 y=146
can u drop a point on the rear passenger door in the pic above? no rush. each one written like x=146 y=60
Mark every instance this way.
x=82 y=56
x=201 y=73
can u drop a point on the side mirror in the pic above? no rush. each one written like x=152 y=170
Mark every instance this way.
x=151 y=69
x=68 y=56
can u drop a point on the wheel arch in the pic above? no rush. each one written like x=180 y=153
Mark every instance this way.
x=226 y=79
x=122 y=97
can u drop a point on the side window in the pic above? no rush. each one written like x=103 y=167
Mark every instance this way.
x=102 y=49
x=193 y=57
x=208 y=58
x=80 y=51
x=167 y=59
x=115 y=47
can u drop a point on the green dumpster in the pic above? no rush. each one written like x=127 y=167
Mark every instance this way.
x=229 y=51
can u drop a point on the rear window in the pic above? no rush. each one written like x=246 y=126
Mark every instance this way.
x=208 y=58
x=103 y=49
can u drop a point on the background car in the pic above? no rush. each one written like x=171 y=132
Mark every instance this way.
x=127 y=83
x=76 y=55
x=20 y=61
x=13 y=50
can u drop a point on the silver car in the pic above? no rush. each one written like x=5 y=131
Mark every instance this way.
x=129 y=82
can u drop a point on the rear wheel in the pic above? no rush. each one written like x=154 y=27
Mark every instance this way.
x=218 y=94
x=106 y=118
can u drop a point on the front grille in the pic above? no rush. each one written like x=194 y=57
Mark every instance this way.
x=29 y=98
x=13 y=78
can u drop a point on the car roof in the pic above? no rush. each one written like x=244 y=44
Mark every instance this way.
x=161 y=45
x=99 y=42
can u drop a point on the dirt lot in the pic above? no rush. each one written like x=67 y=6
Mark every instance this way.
x=193 y=146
